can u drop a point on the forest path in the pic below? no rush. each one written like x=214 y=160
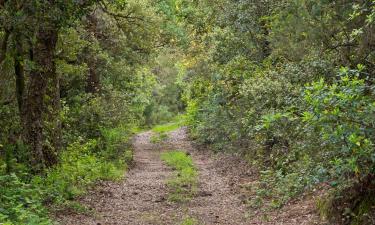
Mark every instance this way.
x=142 y=197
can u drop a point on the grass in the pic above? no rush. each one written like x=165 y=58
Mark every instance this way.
x=162 y=130
x=176 y=123
x=184 y=184
x=158 y=137
x=189 y=221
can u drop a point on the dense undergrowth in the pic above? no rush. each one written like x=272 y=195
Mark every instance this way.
x=299 y=134
x=25 y=199
x=277 y=82
x=96 y=135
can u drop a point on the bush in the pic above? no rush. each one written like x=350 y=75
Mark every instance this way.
x=78 y=169
x=21 y=203
x=115 y=144
x=343 y=113
x=298 y=135
x=81 y=165
x=86 y=116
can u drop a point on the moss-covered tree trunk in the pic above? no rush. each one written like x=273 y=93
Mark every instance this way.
x=35 y=105
x=52 y=121
x=93 y=77
x=20 y=77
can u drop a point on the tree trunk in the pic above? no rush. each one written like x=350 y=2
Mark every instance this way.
x=93 y=78
x=44 y=69
x=20 y=78
x=53 y=120
x=265 y=45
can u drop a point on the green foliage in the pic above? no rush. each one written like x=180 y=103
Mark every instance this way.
x=184 y=184
x=21 y=203
x=165 y=103
x=78 y=169
x=160 y=131
x=177 y=160
x=255 y=77
x=80 y=166
x=337 y=206
x=343 y=113
x=111 y=77
x=158 y=138
x=115 y=144
x=189 y=221
x=263 y=82
x=176 y=123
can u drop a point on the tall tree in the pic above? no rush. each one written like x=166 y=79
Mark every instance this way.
x=43 y=90
x=45 y=69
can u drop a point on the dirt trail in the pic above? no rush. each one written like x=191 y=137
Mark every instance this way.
x=142 y=197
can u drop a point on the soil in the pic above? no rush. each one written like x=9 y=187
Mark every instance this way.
x=142 y=197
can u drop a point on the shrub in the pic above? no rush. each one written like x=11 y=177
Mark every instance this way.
x=21 y=203
x=115 y=144
x=343 y=113
x=23 y=197
x=79 y=168
x=298 y=135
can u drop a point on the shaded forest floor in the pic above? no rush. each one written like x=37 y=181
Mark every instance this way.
x=142 y=198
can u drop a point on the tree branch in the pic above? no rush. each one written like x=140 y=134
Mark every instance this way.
x=128 y=16
x=341 y=45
